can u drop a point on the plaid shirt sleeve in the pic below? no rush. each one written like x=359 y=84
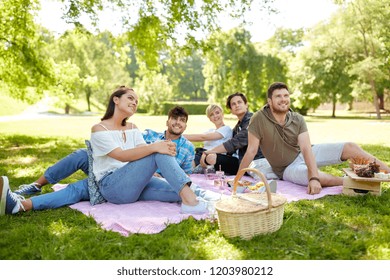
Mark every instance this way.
x=151 y=136
x=185 y=155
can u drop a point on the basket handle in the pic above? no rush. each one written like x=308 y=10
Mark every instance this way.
x=241 y=172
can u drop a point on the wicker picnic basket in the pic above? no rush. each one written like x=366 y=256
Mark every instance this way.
x=249 y=214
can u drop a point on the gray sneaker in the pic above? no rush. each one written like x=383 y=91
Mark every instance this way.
x=28 y=189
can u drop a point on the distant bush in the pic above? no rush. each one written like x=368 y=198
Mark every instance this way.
x=193 y=108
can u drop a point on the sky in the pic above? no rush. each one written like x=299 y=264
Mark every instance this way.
x=292 y=14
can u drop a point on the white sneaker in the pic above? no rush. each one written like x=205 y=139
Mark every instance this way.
x=200 y=208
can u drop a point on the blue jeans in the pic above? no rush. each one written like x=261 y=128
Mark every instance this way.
x=77 y=160
x=117 y=188
x=73 y=193
x=134 y=181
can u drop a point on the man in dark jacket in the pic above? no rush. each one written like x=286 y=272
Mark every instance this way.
x=229 y=154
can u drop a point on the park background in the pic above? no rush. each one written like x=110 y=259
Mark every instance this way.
x=54 y=86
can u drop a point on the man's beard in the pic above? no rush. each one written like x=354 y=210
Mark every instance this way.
x=173 y=132
x=278 y=111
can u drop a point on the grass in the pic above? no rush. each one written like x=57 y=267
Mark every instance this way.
x=330 y=228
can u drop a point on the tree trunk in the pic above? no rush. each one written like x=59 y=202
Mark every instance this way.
x=67 y=109
x=376 y=103
x=350 y=105
x=334 y=103
x=88 y=96
x=381 y=102
x=333 y=109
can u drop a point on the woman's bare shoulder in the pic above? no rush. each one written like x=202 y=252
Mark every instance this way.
x=98 y=127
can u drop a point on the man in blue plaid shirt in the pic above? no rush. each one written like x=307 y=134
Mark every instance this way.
x=176 y=123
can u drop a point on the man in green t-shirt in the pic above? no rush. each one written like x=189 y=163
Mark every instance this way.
x=284 y=140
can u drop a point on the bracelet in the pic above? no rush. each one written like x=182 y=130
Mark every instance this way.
x=315 y=178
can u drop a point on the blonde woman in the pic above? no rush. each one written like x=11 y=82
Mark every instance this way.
x=214 y=136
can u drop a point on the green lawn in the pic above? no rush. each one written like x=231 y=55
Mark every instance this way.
x=331 y=228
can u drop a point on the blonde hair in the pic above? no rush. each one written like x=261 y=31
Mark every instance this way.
x=211 y=108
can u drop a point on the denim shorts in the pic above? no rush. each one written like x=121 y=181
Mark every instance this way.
x=325 y=154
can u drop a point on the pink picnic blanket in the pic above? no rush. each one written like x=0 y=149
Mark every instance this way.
x=154 y=216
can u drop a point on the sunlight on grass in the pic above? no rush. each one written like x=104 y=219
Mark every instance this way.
x=58 y=228
x=379 y=252
x=319 y=206
x=23 y=166
x=23 y=160
x=23 y=173
x=218 y=248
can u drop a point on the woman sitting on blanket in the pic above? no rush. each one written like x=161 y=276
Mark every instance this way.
x=123 y=165
x=213 y=137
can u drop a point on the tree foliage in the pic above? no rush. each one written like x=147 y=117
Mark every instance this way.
x=347 y=56
x=367 y=23
x=234 y=65
x=100 y=61
x=152 y=25
x=23 y=62
x=153 y=89
x=321 y=71
x=186 y=77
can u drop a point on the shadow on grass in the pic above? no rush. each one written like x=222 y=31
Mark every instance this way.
x=25 y=158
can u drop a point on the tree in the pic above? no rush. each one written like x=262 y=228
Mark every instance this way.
x=151 y=28
x=233 y=64
x=321 y=69
x=367 y=27
x=186 y=77
x=287 y=40
x=153 y=90
x=64 y=92
x=155 y=24
x=22 y=60
x=100 y=61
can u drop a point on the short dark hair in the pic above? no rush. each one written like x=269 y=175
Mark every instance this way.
x=233 y=95
x=274 y=86
x=176 y=112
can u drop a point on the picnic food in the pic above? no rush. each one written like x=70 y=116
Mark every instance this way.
x=359 y=160
x=257 y=186
x=243 y=183
x=367 y=170
x=241 y=186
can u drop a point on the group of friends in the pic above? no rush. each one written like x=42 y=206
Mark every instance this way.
x=130 y=165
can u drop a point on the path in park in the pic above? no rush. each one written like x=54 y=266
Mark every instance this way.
x=39 y=110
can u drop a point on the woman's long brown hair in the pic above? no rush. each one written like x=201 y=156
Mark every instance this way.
x=111 y=105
